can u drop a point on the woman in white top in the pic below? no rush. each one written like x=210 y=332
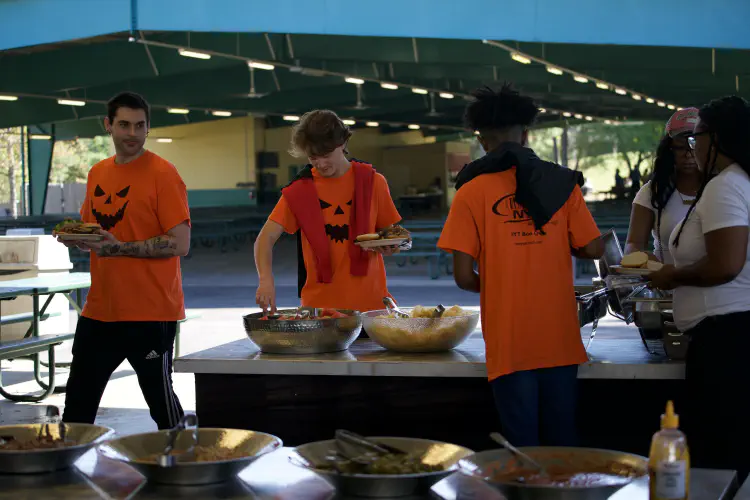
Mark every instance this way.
x=711 y=278
x=664 y=201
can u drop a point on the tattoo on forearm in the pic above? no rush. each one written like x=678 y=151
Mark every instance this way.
x=158 y=247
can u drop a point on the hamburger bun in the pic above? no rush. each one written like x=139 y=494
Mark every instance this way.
x=635 y=260
x=653 y=265
x=367 y=237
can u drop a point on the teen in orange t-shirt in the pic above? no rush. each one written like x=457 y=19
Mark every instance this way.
x=331 y=202
x=520 y=219
x=136 y=298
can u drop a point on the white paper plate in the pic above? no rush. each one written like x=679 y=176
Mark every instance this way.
x=631 y=271
x=393 y=242
x=80 y=237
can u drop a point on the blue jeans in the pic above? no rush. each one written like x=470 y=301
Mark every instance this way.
x=538 y=407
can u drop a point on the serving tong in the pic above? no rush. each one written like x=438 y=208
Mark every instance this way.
x=51 y=416
x=52 y=413
x=438 y=312
x=351 y=447
x=189 y=422
x=302 y=313
x=392 y=308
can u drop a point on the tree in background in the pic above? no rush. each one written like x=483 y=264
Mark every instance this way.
x=599 y=149
x=10 y=163
x=72 y=160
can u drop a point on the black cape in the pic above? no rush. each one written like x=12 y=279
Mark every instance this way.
x=305 y=173
x=542 y=187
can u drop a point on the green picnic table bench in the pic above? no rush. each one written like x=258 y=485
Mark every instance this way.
x=34 y=344
x=12 y=319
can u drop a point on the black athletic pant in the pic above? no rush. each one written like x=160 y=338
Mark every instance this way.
x=99 y=348
x=717 y=381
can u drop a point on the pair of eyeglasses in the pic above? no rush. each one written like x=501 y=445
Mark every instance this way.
x=691 y=138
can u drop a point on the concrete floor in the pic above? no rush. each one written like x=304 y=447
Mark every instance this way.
x=221 y=288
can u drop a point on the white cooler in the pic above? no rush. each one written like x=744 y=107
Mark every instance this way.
x=28 y=257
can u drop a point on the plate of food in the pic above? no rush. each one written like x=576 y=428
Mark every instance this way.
x=76 y=230
x=394 y=236
x=637 y=264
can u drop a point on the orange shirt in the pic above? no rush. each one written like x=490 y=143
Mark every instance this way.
x=135 y=202
x=360 y=293
x=528 y=307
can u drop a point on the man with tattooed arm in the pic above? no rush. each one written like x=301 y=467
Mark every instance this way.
x=136 y=299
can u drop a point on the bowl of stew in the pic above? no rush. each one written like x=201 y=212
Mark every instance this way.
x=580 y=473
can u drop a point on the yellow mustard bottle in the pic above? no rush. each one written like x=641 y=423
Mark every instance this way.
x=669 y=460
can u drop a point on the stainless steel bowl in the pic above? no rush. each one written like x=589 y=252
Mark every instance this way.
x=419 y=334
x=486 y=464
x=303 y=336
x=83 y=437
x=131 y=449
x=313 y=455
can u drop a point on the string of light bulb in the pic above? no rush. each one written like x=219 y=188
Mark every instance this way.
x=524 y=58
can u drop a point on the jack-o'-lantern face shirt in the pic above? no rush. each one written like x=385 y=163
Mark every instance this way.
x=360 y=293
x=135 y=201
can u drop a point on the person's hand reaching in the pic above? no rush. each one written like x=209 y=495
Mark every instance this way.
x=265 y=297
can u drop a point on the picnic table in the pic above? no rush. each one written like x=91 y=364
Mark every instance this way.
x=71 y=286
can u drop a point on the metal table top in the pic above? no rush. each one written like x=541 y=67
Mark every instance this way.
x=616 y=353
x=273 y=477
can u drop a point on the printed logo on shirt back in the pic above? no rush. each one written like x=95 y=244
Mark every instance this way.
x=508 y=208
x=512 y=212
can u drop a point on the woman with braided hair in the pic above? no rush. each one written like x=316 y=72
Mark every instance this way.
x=663 y=201
x=711 y=279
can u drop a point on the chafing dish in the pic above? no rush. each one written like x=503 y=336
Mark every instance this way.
x=590 y=307
x=487 y=464
x=304 y=336
x=81 y=438
x=313 y=456
x=419 y=334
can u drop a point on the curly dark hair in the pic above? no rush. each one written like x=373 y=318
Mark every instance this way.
x=727 y=122
x=318 y=133
x=499 y=109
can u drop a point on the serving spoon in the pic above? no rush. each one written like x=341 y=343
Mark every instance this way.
x=500 y=439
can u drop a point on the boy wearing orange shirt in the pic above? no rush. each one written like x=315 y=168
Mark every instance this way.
x=136 y=299
x=520 y=218
x=331 y=202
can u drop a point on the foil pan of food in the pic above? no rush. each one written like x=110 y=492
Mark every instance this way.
x=393 y=467
x=304 y=330
x=420 y=329
x=191 y=456
x=568 y=473
x=39 y=448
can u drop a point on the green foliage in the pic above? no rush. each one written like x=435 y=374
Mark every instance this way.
x=72 y=160
x=591 y=145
